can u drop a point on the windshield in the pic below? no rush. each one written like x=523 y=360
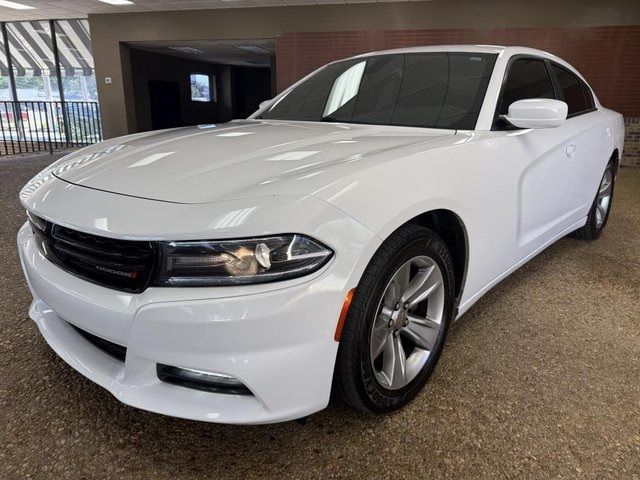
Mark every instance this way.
x=435 y=90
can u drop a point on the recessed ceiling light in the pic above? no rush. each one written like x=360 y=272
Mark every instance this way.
x=117 y=2
x=14 y=5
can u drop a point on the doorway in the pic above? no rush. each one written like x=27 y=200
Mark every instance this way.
x=164 y=103
x=251 y=87
x=169 y=79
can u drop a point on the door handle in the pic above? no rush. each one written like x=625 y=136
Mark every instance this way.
x=571 y=150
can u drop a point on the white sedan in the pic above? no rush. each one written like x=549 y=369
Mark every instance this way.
x=241 y=273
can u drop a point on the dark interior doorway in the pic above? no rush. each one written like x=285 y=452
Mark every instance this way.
x=252 y=86
x=168 y=79
x=164 y=103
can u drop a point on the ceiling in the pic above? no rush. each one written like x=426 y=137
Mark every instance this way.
x=216 y=51
x=55 y=9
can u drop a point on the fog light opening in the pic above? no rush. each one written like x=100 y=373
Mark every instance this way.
x=201 y=380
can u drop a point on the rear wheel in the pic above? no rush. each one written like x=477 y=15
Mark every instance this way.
x=599 y=213
x=397 y=322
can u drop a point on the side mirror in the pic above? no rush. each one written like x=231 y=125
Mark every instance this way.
x=264 y=104
x=537 y=113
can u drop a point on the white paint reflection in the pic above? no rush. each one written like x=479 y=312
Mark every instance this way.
x=233 y=218
x=65 y=163
x=101 y=224
x=343 y=191
x=150 y=159
x=312 y=174
x=294 y=155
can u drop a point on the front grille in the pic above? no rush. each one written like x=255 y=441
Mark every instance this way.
x=118 y=264
x=116 y=351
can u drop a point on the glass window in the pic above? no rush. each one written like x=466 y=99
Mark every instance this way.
x=527 y=78
x=307 y=101
x=344 y=88
x=378 y=92
x=572 y=88
x=33 y=60
x=436 y=90
x=76 y=60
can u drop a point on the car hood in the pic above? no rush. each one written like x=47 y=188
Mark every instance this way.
x=240 y=159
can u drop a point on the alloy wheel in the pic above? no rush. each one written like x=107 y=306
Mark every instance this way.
x=408 y=322
x=604 y=198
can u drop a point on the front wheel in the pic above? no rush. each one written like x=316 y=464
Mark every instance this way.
x=599 y=213
x=397 y=322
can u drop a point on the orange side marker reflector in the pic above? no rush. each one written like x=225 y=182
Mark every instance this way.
x=343 y=314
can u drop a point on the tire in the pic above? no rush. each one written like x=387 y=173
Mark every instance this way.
x=592 y=230
x=359 y=380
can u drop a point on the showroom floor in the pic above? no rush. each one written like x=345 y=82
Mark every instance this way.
x=540 y=379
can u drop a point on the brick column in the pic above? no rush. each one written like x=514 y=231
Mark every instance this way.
x=631 y=155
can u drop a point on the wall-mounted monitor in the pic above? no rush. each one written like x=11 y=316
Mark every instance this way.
x=202 y=87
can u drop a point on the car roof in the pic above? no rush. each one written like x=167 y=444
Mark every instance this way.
x=500 y=50
x=495 y=49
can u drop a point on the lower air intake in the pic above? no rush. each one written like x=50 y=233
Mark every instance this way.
x=199 y=380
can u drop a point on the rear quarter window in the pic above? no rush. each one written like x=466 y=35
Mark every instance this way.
x=575 y=93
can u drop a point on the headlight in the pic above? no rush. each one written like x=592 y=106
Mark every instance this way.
x=239 y=262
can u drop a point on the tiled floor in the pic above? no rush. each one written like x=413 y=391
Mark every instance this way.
x=541 y=379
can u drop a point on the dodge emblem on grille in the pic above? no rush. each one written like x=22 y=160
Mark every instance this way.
x=132 y=275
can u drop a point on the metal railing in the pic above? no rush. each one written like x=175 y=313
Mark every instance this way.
x=47 y=126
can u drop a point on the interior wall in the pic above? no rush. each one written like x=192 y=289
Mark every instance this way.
x=147 y=66
x=607 y=56
x=108 y=31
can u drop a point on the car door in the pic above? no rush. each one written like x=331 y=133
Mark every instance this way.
x=545 y=157
x=591 y=138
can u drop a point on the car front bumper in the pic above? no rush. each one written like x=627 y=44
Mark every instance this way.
x=276 y=340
